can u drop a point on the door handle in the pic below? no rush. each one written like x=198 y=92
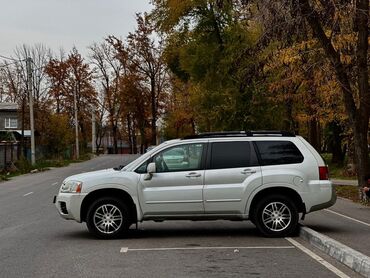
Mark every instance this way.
x=248 y=171
x=193 y=175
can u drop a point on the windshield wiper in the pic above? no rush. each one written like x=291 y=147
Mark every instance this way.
x=119 y=168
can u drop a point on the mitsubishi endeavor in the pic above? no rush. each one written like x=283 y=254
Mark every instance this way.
x=267 y=177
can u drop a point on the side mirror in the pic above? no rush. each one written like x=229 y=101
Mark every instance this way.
x=150 y=169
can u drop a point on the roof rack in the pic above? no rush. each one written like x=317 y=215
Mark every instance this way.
x=250 y=133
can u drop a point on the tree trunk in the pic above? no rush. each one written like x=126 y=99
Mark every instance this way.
x=154 y=113
x=361 y=125
x=361 y=152
x=115 y=139
x=358 y=117
x=313 y=134
x=129 y=131
x=336 y=144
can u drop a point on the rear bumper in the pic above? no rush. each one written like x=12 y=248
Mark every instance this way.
x=69 y=205
x=328 y=189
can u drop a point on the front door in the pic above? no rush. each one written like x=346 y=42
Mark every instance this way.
x=177 y=186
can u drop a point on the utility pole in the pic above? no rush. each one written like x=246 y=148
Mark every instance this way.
x=76 y=121
x=93 y=131
x=29 y=74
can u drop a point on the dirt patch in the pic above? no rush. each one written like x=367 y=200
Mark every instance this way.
x=352 y=193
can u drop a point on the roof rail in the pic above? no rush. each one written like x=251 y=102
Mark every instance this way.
x=282 y=133
x=250 y=133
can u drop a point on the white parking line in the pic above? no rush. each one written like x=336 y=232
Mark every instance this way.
x=27 y=194
x=126 y=249
x=317 y=258
x=55 y=183
x=350 y=218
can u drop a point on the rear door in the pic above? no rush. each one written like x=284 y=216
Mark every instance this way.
x=232 y=167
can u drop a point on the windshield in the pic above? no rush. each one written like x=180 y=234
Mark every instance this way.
x=145 y=156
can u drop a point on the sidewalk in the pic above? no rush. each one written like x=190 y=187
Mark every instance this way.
x=344 y=182
x=343 y=232
x=346 y=222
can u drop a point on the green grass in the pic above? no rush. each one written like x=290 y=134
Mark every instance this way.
x=23 y=166
x=350 y=192
x=337 y=171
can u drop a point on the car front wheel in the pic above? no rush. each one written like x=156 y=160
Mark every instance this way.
x=276 y=216
x=108 y=218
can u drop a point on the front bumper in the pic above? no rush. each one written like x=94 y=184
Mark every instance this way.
x=69 y=205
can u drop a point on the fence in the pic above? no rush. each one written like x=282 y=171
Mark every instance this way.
x=9 y=153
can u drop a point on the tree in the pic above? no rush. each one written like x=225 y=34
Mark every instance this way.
x=347 y=18
x=57 y=72
x=79 y=82
x=146 y=55
x=211 y=46
x=109 y=70
x=301 y=82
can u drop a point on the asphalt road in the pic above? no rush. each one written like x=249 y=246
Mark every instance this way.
x=346 y=222
x=36 y=242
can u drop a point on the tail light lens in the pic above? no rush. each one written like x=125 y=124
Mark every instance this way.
x=323 y=172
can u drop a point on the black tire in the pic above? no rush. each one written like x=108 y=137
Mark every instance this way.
x=108 y=218
x=276 y=216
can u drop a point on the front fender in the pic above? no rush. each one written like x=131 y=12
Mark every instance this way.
x=128 y=190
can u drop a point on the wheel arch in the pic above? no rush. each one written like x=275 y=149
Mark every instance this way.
x=109 y=192
x=277 y=190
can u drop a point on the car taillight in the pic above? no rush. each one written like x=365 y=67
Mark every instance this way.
x=323 y=172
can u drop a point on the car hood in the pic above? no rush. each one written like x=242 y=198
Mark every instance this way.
x=111 y=177
x=88 y=176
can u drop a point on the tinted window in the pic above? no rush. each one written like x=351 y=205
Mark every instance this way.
x=278 y=152
x=142 y=168
x=231 y=155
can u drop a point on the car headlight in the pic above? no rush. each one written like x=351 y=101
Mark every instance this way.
x=71 y=187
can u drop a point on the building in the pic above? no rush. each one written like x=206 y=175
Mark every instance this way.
x=10 y=134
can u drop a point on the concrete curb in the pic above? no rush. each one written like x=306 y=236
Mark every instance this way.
x=344 y=182
x=355 y=260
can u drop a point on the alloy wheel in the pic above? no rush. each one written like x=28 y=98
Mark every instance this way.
x=108 y=218
x=276 y=216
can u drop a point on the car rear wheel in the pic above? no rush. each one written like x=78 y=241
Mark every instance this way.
x=108 y=218
x=276 y=216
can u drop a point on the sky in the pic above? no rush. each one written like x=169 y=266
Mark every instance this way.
x=65 y=23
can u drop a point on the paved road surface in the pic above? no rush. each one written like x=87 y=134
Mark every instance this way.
x=346 y=221
x=36 y=242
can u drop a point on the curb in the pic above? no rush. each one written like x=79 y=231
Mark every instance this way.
x=345 y=182
x=355 y=260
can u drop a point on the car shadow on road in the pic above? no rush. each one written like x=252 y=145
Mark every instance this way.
x=176 y=231
x=325 y=229
x=194 y=232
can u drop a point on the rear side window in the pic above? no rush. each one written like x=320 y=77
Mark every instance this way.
x=278 y=152
x=232 y=155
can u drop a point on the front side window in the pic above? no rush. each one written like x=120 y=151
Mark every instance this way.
x=11 y=123
x=278 y=152
x=179 y=158
x=231 y=155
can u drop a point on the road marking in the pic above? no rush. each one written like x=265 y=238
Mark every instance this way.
x=317 y=258
x=27 y=194
x=126 y=249
x=350 y=218
x=55 y=183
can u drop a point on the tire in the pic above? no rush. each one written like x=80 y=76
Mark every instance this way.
x=108 y=218
x=276 y=216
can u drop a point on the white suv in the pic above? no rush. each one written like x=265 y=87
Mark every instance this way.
x=268 y=177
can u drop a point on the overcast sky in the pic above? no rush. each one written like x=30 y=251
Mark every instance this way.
x=65 y=23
